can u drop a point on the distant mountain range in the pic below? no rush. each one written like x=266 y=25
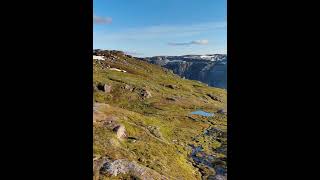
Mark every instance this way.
x=210 y=69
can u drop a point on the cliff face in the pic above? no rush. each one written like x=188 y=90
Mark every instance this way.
x=209 y=69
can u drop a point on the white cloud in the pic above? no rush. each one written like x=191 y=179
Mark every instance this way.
x=201 y=42
x=101 y=20
x=197 y=42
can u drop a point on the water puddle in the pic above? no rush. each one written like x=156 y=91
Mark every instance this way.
x=202 y=113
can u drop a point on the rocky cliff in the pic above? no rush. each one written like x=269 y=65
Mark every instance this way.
x=209 y=69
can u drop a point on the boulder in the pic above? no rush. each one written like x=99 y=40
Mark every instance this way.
x=122 y=166
x=98 y=164
x=121 y=131
x=107 y=88
x=104 y=87
x=222 y=111
x=146 y=94
x=217 y=177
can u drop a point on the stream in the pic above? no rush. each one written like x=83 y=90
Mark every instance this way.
x=210 y=161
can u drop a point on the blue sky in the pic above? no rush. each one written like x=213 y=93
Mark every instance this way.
x=160 y=27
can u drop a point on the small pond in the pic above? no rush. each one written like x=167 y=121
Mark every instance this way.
x=202 y=113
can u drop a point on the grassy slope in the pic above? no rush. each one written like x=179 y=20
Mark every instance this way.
x=169 y=154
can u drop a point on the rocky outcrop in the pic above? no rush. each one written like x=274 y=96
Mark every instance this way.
x=98 y=162
x=121 y=167
x=215 y=97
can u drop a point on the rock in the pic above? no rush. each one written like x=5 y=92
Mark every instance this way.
x=220 y=170
x=100 y=87
x=122 y=166
x=171 y=86
x=95 y=88
x=171 y=99
x=214 y=97
x=121 y=131
x=128 y=87
x=217 y=177
x=97 y=165
x=222 y=111
x=155 y=131
x=216 y=133
x=146 y=94
x=110 y=124
x=104 y=87
x=107 y=88
x=141 y=159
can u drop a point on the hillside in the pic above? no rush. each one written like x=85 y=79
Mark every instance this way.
x=143 y=128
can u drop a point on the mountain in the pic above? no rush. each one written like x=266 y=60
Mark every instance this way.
x=210 y=69
x=148 y=122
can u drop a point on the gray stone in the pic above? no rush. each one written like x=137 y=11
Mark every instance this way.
x=146 y=94
x=121 y=131
x=222 y=111
x=104 y=87
x=122 y=166
x=217 y=177
x=107 y=88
